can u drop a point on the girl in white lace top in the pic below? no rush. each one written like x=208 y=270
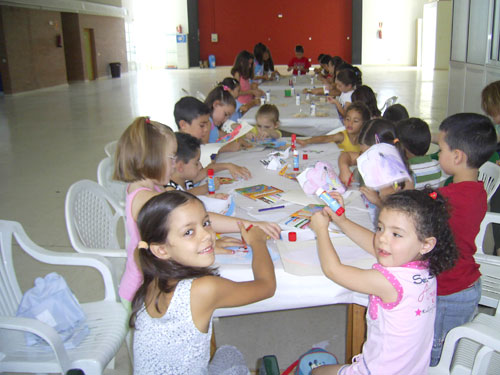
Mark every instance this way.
x=172 y=310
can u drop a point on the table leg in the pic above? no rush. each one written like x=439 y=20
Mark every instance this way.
x=356 y=330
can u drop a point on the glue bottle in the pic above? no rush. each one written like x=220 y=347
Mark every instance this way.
x=211 y=181
x=313 y=109
x=294 y=141
x=332 y=203
x=297 y=99
x=295 y=153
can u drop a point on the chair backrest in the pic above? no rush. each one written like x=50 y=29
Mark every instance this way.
x=489 y=173
x=489 y=265
x=10 y=292
x=92 y=218
x=105 y=178
x=392 y=100
x=110 y=149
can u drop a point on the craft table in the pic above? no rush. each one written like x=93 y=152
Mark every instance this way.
x=301 y=82
x=292 y=291
x=297 y=118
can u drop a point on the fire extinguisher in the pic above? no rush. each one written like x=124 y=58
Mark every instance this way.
x=379 y=31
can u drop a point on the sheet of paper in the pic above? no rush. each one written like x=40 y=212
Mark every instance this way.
x=241 y=256
x=301 y=258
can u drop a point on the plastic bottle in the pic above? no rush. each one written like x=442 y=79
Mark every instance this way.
x=295 y=160
x=293 y=90
x=211 y=181
x=262 y=100
x=326 y=90
x=332 y=203
x=312 y=81
x=294 y=141
x=297 y=99
x=313 y=109
x=268 y=96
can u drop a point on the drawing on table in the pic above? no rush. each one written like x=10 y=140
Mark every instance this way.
x=265 y=193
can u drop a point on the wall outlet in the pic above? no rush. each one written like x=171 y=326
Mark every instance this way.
x=215 y=37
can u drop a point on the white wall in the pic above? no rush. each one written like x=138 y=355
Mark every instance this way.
x=398 y=45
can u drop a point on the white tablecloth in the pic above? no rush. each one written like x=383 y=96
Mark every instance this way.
x=297 y=119
x=292 y=291
x=302 y=82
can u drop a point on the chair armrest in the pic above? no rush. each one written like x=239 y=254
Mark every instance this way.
x=118 y=253
x=481 y=333
x=70 y=259
x=42 y=330
x=490 y=217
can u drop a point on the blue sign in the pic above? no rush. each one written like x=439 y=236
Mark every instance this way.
x=181 y=38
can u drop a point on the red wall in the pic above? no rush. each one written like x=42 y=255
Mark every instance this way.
x=242 y=24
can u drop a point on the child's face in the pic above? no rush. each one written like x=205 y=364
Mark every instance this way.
x=170 y=152
x=265 y=56
x=353 y=122
x=299 y=55
x=190 y=239
x=199 y=127
x=250 y=63
x=221 y=113
x=446 y=155
x=265 y=125
x=190 y=169
x=496 y=118
x=396 y=242
x=330 y=67
x=343 y=87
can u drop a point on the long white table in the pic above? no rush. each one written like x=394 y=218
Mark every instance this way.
x=292 y=291
x=297 y=118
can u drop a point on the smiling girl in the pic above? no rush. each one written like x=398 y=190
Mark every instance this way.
x=412 y=244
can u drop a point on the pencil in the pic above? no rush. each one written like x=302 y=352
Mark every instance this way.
x=243 y=240
x=350 y=179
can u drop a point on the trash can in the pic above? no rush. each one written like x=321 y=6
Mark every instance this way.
x=115 y=69
x=211 y=61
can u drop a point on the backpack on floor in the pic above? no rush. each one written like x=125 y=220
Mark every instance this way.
x=311 y=359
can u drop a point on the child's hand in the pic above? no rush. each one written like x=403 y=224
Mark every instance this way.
x=273 y=230
x=333 y=216
x=223 y=242
x=320 y=221
x=332 y=100
x=302 y=142
x=219 y=196
x=372 y=195
x=345 y=176
x=238 y=172
x=258 y=93
x=244 y=144
x=253 y=235
x=251 y=136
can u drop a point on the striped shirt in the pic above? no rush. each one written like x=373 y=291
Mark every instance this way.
x=425 y=171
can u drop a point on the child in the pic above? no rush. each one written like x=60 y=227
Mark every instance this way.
x=263 y=63
x=144 y=159
x=366 y=95
x=299 y=64
x=222 y=105
x=243 y=71
x=395 y=113
x=347 y=140
x=490 y=102
x=193 y=117
x=415 y=136
x=412 y=244
x=172 y=310
x=233 y=86
x=466 y=140
x=187 y=165
x=346 y=80
x=267 y=121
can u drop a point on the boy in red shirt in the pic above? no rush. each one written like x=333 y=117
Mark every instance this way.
x=299 y=63
x=466 y=140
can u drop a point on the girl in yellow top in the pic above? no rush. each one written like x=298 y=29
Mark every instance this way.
x=357 y=114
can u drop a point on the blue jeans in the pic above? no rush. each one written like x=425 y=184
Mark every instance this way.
x=452 y=311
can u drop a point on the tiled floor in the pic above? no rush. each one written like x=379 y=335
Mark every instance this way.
x=52 y=138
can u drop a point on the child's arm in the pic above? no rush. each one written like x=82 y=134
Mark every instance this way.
x=346 y=160
x=359 y=234
x=342 y=110
x=227 y=224
x=373 y=196
x=337 y=138
x=245 y=107
x=363 y=281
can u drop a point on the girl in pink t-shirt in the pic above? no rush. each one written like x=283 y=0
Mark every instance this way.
x=145 y=159
x=412 y=244
x=243 y=71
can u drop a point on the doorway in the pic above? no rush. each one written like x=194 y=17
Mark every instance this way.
x=89 y=50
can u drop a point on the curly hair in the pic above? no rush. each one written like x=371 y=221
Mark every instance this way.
x=430 y=216
x=153 y=227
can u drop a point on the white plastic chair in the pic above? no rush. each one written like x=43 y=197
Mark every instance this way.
x=105 y=171
x=110 y=149
x=106 y=319
x=473 y=348
x=92 y=220
x=201 y=96
x=392 y=100
x=489 y=265
x=489 y=173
